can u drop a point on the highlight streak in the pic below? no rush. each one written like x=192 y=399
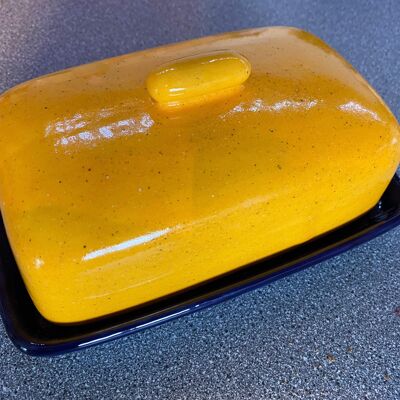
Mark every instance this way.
x=126 y=245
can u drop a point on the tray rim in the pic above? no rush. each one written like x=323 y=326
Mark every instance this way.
x=377 y=221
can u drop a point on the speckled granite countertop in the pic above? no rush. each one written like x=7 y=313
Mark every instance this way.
x=330 y=332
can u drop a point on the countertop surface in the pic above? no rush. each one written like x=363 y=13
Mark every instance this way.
x=329 y=332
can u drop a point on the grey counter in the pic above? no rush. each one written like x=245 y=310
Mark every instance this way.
x=330 y=332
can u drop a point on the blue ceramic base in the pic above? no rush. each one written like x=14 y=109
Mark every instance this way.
x=34 y=335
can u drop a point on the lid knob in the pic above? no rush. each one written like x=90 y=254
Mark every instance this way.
x=198 y=79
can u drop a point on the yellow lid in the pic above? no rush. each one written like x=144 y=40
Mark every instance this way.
x=111 y=201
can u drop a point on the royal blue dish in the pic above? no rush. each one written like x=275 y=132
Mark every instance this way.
x=34 y=335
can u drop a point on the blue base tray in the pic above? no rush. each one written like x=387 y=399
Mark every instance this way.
x=34 y=335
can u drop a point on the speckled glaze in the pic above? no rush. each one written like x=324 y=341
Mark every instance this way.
x=110 y=202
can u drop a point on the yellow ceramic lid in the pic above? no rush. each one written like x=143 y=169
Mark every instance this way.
x=134 y=177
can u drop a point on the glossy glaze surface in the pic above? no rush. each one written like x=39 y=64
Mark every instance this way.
x=110 y=202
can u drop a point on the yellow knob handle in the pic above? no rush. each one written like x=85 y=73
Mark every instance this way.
x=198 y=79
